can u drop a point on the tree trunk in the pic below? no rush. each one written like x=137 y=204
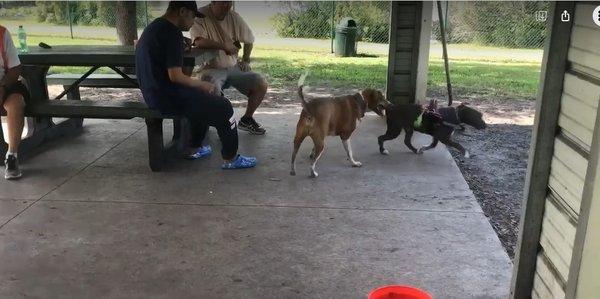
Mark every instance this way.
x=126 y=22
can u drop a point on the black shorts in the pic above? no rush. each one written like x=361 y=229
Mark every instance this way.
x=18 y=88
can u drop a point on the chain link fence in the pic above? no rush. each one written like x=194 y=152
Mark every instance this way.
x=504 y=24
x=318 y=19
x=494 y=23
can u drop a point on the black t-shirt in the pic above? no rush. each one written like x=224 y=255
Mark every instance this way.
x=159 y=48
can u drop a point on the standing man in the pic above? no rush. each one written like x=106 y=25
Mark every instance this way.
x=159 y=61
x=225 y=30
x=12 y=99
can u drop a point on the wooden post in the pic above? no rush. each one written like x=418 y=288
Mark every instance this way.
x=540 y=155
x=410 y=31
x=444 y=50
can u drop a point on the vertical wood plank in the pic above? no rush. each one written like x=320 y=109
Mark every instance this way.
x=554 y=66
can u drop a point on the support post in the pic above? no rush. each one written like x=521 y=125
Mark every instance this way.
x=545 y=126
x=442 y=23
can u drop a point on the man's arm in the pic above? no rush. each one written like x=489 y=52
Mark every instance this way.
x=247 y=52
x=205 y=43
x=176 y=75
x=11 y=77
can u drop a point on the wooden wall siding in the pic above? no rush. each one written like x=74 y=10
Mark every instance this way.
x=543 y=286
x=558 y=235
x=584 y=54
x=578 y=105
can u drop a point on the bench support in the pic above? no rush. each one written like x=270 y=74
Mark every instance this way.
x=155 y=143
x=157 y=152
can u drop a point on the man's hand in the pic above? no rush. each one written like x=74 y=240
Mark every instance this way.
x=230 y=49
x=244 y=66
x=206 y=87
x=188 y=44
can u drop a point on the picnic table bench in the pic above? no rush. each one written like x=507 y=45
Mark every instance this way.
x=35 y=67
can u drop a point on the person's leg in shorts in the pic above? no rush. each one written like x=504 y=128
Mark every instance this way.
x=204 y=110
x=254 y=86
x=13 y=102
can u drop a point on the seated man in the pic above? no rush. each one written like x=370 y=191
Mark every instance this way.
x=12 y=99
x=224 y=30
x=159 y=61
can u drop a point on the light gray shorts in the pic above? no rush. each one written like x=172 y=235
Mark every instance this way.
x=232 y=76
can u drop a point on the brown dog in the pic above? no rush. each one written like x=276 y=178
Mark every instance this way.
x=322 y=117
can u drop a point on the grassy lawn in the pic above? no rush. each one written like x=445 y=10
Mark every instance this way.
x=474 y=69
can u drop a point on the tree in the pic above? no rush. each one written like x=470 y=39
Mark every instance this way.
x=126 y=22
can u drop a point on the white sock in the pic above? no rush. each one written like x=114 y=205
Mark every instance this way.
x=11 y=154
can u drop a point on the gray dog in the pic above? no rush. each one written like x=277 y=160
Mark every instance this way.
x=440 y=123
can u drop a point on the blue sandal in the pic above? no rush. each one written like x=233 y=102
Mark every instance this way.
x=240 y=162
x=201 y=152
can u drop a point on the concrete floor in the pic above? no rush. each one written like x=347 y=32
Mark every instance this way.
x=90 y=220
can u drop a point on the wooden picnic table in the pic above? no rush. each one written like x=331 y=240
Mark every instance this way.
x=37 y=62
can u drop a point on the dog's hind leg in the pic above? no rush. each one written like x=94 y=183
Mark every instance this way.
x=297 y=142
x=389 y=135
x=459 y=147
x=319 y=143
x=408 y=138
x=426 y=148
x=348 y=148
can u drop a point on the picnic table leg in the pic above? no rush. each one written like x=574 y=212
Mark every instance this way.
x=155 y=143
x=41 y=128
x=74 y=95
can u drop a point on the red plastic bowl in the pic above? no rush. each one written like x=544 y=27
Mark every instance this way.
x=398 y=292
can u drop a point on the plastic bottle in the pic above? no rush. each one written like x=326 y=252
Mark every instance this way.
x=22 y=40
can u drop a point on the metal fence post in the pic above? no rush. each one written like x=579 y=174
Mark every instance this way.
x=146 y=9
x=332 y=25
x=69 y=17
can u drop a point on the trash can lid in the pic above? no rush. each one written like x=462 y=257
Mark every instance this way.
x=347 y=22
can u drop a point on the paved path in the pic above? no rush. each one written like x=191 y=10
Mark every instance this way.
x=90 y=220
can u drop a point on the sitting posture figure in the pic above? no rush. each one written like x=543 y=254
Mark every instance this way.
x=439 y=122
x=224 y=30
x=159 y=60
x=12 y=100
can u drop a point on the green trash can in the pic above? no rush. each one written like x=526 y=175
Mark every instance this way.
x=345 y=38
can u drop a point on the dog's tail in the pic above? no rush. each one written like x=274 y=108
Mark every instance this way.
x=300 y=91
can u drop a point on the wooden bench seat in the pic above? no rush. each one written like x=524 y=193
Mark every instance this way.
x=94 y=80
x=157 y=151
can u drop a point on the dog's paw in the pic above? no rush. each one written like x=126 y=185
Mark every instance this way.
x=385 y=152
x=356 y=164
x=467 y=155
x=292 y=172
x=314 y=174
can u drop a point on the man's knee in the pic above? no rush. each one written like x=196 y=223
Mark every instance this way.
x=260 y=84
x=263 y=85
x=15 y=103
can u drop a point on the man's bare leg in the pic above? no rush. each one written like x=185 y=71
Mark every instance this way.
x=255 y=97
x=14 y=106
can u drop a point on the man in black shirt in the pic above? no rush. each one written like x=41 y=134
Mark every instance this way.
x=159 y=61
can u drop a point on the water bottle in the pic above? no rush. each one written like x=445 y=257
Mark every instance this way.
x=22 y=40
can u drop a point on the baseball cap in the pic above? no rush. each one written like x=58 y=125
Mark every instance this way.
x=191 y=5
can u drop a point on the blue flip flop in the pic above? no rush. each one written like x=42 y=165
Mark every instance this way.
x=240 y=162
x=203 y=151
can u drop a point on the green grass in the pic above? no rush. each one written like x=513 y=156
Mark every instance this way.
x=475 y=70
x=485 y=77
